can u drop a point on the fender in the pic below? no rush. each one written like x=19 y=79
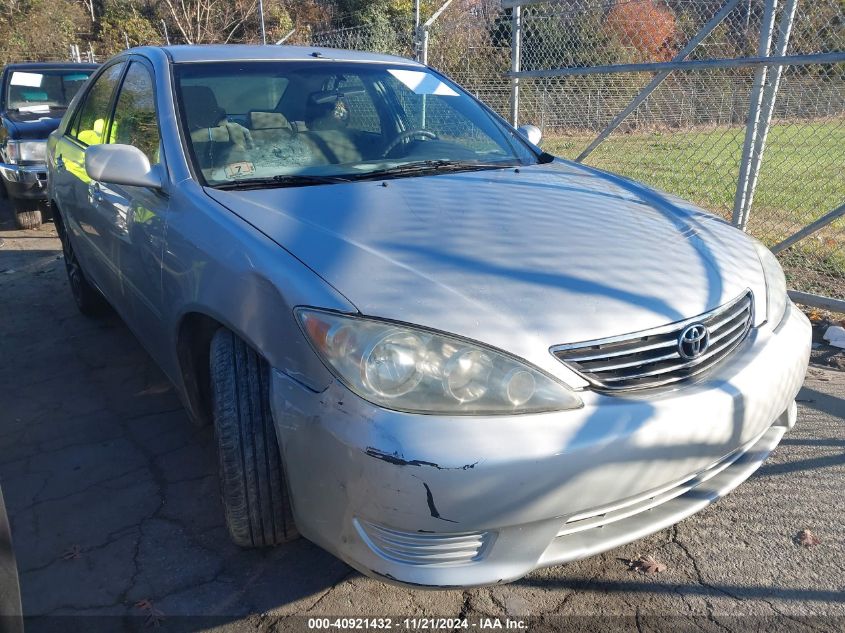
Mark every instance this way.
x=240 y=279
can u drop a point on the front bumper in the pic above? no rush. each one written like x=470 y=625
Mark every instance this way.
x=25 y=182
x=437 y=501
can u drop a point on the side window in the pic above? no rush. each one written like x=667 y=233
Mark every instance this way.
x=135 y=121
x=90 y=124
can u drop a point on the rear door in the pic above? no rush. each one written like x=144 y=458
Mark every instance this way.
x=75 y=191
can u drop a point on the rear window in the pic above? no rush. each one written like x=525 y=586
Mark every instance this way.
x=249 y=93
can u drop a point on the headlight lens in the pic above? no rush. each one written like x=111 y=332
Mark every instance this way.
x=26 y=151
x=410 y=369
x=775 y=285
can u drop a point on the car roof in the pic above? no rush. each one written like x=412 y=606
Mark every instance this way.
x=51 y=66
x=246 y=52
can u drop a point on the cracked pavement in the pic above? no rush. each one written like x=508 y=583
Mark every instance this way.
x=113 y=500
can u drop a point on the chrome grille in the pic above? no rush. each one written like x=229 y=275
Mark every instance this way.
x=651 y=358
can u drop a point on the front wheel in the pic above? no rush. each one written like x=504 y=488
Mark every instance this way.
x=252 y=480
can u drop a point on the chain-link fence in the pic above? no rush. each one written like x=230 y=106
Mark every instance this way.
x=689 y=135
x=396 y=39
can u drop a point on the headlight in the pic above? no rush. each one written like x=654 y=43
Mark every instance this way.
x=26 y=151
x=775 y=285
x=410 y=369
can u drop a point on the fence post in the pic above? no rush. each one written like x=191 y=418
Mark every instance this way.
x=516 y=61
x=261 y=21
x=766 y=30
x=811 y=228
x=427 y=25
x=770 y=93
x=416 y=30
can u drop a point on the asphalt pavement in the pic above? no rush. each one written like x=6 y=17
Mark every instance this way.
x=115 y=511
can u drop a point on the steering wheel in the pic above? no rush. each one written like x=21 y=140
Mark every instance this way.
x=406 y=136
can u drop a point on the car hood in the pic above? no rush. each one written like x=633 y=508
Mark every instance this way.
x=30 y=125
x=521 y=260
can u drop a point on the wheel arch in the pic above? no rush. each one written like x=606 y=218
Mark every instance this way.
x=58 y=220
x=193 y=342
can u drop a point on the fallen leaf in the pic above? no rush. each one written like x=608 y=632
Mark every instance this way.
x=646 y=565
x=72 y=553
x=154 y=616
x=807 y=538
x=816 y=315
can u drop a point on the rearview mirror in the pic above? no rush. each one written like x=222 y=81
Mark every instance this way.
x=121 y=165
x=531 y=133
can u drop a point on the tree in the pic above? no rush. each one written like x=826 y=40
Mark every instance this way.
x=204 y=21
x=123 y=21
x=646 y=26
x=38 y=30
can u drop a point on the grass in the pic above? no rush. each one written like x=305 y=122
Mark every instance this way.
x=802 y=177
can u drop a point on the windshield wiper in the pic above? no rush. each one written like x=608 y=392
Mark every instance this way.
x=435 y=166
x=281 y=180
x=417 y=167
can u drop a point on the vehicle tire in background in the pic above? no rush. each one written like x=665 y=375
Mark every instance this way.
x=27 y=215
x=88 y=299
x=252 y=479
x=11 y=613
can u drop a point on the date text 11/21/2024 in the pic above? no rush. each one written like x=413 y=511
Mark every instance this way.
x=415 y=624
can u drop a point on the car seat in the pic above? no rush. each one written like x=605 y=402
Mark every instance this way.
x=327 y=117
x=269 y=127
x=211 y=141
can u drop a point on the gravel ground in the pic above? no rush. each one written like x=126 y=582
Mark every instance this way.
x=114 y=506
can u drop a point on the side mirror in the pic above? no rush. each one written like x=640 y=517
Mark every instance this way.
x=531 y=133
x=121 y=165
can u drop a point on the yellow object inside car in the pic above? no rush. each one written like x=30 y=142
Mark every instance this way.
x=95 y=135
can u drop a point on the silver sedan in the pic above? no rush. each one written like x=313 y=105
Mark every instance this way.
x=425 y=344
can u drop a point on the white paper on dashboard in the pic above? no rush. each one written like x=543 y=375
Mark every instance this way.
x=38 y=107
x=422 y=83
x=33 y=80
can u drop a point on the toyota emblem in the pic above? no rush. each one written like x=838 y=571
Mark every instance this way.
x=693 y=341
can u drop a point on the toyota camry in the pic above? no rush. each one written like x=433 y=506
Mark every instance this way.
x=426 y=345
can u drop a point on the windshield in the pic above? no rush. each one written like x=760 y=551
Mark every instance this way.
x=321 y=122
x=43 y=90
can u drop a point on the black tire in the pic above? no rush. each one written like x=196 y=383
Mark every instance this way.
x=27 y=215
x=88 y=299
x=252 y=479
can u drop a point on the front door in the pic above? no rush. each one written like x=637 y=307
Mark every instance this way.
x=76 y=190
x=131 y=220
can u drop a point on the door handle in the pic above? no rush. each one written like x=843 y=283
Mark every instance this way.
x=60 y=163
x=95 y=196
